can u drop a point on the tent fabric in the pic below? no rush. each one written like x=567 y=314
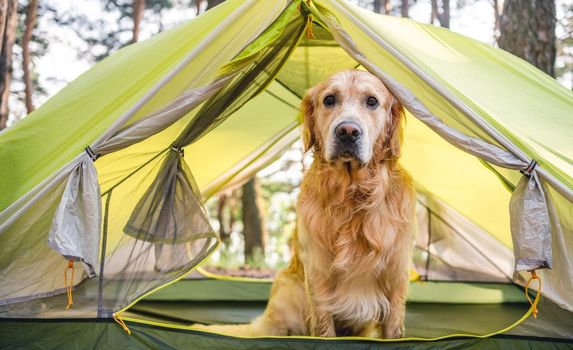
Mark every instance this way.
x=76 y=227
x=198 y=108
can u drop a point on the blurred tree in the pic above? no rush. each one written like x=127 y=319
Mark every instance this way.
x=254 y=229
x=564 y=67
x=226 y=214
x=3 y=14
x=210 y=4
x=29 y=43
x=440 y=12
x=377 y=4
x=31 y=11
x=405 y=8
x=497 y=18
x=527 y=30
x=138 y=9
x=9 y=17
x=387 y=7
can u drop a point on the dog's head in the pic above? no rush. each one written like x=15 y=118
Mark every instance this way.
x=352 y=117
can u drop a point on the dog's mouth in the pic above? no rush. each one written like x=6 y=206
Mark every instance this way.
x=348 y=153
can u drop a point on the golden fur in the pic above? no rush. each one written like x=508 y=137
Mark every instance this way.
x=351 y=250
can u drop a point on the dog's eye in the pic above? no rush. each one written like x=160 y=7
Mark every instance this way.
x=329 y=100
x=372 y=102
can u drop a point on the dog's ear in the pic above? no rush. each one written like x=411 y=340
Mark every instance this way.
x=308 y=122
x=393 y=135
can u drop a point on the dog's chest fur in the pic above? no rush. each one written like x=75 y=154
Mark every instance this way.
x=352 y=295
x=342 y=247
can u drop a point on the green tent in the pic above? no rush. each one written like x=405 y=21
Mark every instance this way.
x=102 y=187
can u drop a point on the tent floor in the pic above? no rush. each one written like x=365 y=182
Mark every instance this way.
x=422 y=320
x=106 y=334
x=434 y=308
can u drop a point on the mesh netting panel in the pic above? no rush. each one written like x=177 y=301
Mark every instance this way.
x=171 y=196
x=150 y=242
x=246 y=85
x=448 y=247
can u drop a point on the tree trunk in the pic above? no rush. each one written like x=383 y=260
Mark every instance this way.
x=6 y=59
x=496 y=16
x=138 y=9
x=30 y=22
x=198 y=6
x=253 y=227
x=223 y=233
x=386 y=6
x=3 y=10
x=444 y=17
x=377 y=6
x=405 y=9
x=527 y=30
x=441 y=12
x=213 y=3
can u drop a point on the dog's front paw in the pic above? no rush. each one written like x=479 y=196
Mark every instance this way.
x=324 y=328
x=394 y=332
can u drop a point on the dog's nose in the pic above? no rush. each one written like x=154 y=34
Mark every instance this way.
x=348 y=132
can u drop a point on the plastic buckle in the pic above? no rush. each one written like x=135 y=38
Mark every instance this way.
x=527 y=171
x=92 y=154
x=178 y=150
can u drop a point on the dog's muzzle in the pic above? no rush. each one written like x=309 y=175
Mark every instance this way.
x=348 y=140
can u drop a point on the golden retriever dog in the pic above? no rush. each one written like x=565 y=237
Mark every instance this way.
x=349 y=272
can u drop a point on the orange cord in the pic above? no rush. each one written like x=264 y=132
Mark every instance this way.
x=309 y=33
x=70 y=285
x=537 y=297
x=118 y=319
